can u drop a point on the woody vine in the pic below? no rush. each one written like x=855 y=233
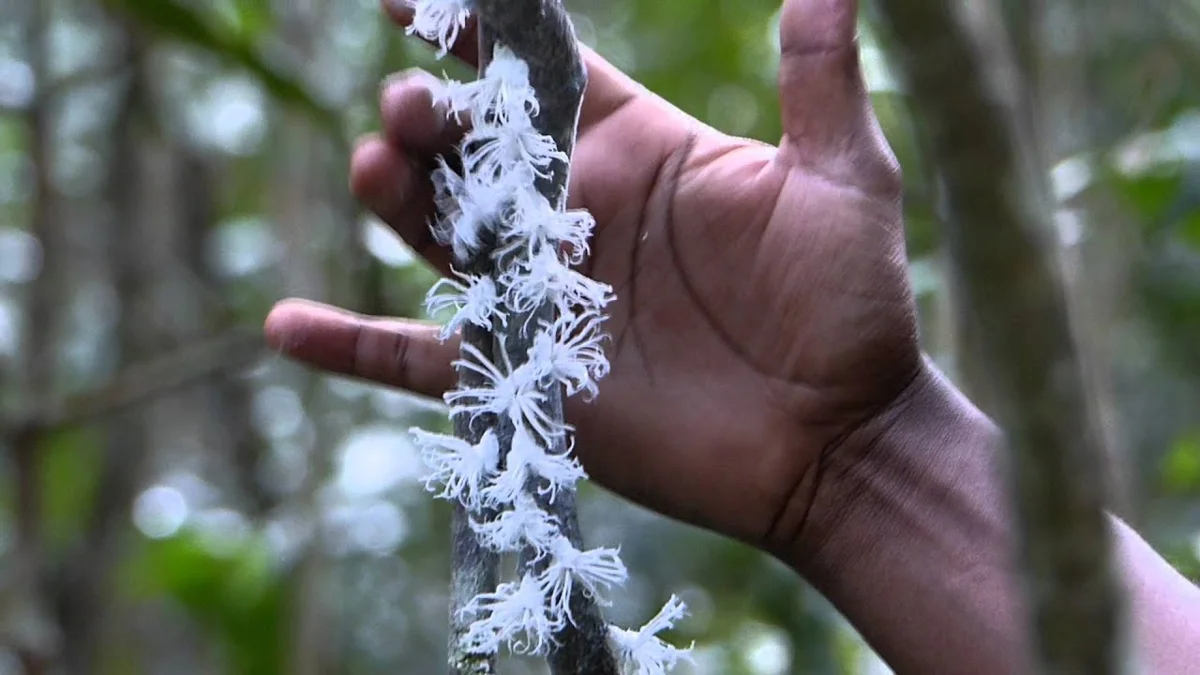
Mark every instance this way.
x=532 y=333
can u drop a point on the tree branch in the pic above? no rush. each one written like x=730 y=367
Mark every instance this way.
x=144 y=381
x=539 y=32
x=964 y=84
x=474 y=568
x=36 y=638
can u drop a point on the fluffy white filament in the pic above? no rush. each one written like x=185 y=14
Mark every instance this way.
x=494 y=203
x=475 y=301
x=642 y=651
x=458 y=469
x=439 y=21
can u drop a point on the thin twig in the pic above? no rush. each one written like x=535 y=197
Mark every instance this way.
x=474 y=568
x=965 y=86
x=539 y=32
x=148 y=380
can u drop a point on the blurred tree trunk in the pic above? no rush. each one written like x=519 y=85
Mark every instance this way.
x=224 y=402
x=26 y=625
x=309 y=643
x=968 y=95
x=299 y=198
x=1095 y=245
x=1052 y=45
x=86 y=598
x=325 y=260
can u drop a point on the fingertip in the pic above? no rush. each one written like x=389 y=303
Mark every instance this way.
x=824 y=102
x=400 y=11
x=381 y=178
x=291 y=322
x=368 y=158
x=812 y=26
x=319 y=335
x=411 y=118
x=396 y=190
x=277 y=326
x=394 y=352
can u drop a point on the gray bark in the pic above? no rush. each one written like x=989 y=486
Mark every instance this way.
x=540 y=33
x=966 y=91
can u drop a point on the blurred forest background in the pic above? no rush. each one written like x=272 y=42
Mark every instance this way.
x=176 y=499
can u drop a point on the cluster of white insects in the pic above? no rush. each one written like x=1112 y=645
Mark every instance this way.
x=503 y=156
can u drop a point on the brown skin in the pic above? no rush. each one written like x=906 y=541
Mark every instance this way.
x=762 y=291
x=766 y=380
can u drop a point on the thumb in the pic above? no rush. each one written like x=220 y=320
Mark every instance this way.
x=393 y=352
x=826 y=108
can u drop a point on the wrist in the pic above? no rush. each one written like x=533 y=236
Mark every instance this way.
x=928 y=446
x=908 y=534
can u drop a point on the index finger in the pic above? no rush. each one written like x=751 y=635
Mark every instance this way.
x=392 y=352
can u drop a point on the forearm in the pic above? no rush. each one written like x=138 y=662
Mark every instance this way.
x=910 y=537
x=1165 y=606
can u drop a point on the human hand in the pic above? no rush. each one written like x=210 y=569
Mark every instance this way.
x=763 y=312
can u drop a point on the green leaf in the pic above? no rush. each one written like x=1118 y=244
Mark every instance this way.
x=1181 y=467
x=1150 y=194
x=1182 y=556
x=71 y=463
x=248 y=18
x=170 y=19
x=237 y=596
x=1170 y=293
x=1189 y=229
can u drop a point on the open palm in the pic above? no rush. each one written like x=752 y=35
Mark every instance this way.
x=763 y=310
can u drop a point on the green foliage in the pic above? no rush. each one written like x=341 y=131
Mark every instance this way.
x=1189 y=229
x=1181 y=467
x=250 y=19
x=405 y=288
x=725 y=75
x=232 y=35
x=1166 y=200
x=1150 y=194
x=232 y=590
x=1184 y=558
x=71 y=461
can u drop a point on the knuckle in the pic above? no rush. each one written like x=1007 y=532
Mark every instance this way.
x=891 y=175
x=381 y=356
x=399 y=358
x=881 y=170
